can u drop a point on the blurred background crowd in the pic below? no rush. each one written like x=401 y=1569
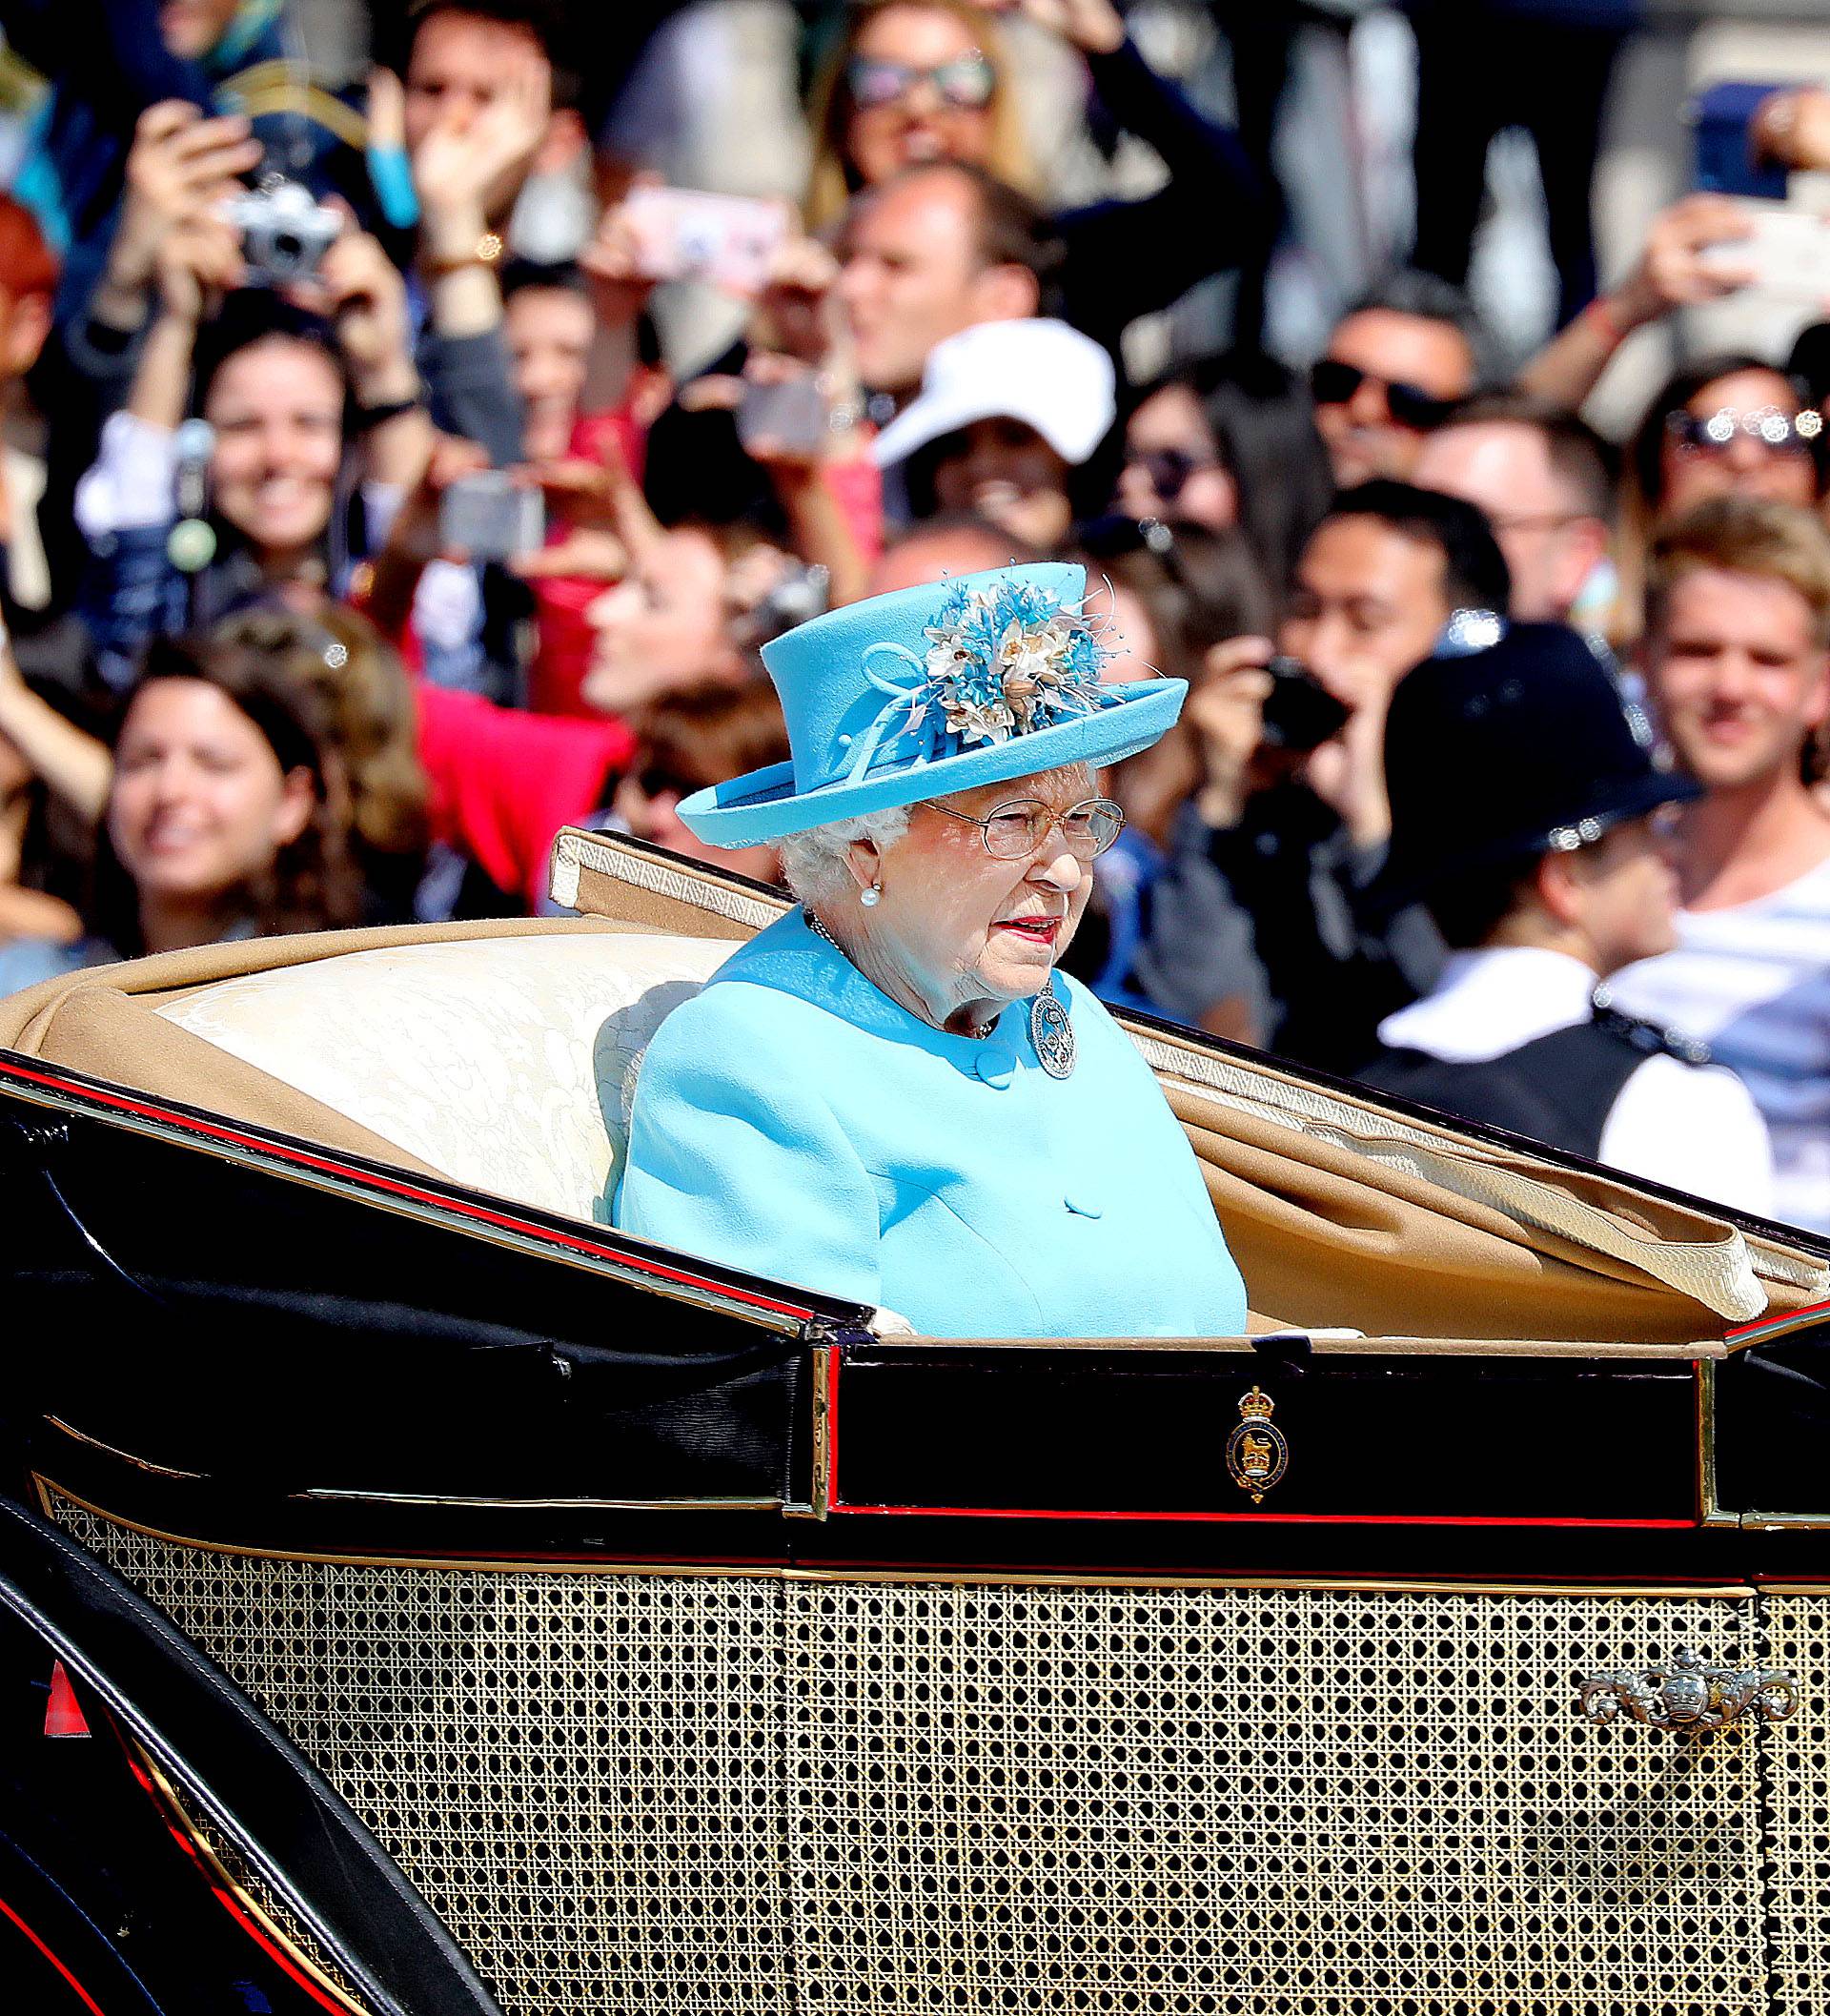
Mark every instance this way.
x=419 y=416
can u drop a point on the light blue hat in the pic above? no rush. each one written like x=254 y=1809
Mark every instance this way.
x=934 y=689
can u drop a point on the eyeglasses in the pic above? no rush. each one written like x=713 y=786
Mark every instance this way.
x=1021 y=828
x=1333 y=383
x=965 y=84
x=1536 y=520
x=1169 y=470
x=1766 y=426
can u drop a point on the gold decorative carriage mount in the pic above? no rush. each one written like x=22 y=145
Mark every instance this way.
x=1257 y=1455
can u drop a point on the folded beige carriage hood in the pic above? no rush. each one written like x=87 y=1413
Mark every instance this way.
x=1342 y=1211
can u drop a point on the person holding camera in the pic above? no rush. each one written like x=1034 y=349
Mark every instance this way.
x=298 y=399
x=110 y=61
x=919 y=83
x=1292 y=821
x=937 y=249
x=475 y=116
x=181 y=161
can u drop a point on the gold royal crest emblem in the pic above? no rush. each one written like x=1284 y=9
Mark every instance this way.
x=1258 y=1455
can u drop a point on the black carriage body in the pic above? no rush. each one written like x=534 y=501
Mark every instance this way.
x=366 y=1355
x=691 y=1646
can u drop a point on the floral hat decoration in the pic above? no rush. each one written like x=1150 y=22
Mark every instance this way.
x=935 y=689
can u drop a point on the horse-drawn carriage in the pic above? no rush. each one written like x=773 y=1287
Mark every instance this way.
x=464 y=1600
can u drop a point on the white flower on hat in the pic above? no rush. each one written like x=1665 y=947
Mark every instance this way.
x=1002 y=662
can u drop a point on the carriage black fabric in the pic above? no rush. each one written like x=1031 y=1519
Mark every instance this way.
x=399 y=1350
x=1558 y=1088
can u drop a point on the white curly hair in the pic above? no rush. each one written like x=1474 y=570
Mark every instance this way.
x=813 y=863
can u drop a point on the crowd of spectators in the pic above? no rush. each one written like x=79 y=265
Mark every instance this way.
x=351 y=551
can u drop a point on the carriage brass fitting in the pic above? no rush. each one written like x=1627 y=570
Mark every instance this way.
x=1688 y=1695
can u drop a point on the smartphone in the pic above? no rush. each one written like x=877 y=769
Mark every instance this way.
x=1786 y=250
x=1725 y=154
x=489 y=516
x=688 y=234
x=793 y=413
x=1300 y=713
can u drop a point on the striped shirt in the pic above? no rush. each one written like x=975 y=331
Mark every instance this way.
x=1753 y=982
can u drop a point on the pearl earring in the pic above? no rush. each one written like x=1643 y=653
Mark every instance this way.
x=871 y=897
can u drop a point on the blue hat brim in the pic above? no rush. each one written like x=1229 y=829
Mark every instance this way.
x=764 y=804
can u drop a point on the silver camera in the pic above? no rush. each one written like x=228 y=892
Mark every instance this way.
x=285 y=231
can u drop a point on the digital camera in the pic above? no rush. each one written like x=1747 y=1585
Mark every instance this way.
x=285 y=231
x=1300 y=713
x=489 y=516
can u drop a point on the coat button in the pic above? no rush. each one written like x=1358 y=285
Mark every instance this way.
x=1081 y=1208
x=996 y=1072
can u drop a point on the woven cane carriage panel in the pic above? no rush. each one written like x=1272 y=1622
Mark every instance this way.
x=1799 y=1810
x=742 y=1793
x=581 y=1773
x=1273 y=1802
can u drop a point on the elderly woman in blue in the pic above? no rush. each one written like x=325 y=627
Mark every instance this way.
x=889 y=1095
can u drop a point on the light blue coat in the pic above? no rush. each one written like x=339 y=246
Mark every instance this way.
x=793 y=1120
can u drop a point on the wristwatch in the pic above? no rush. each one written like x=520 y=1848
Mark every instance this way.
x=364 y=420
x=486 y=253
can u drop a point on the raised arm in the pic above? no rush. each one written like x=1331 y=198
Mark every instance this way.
x=74 y=766
x=366 y=301
x=197 y=259
x=412 y=542
x=456 y=165
x=1671 y=273
x=829 y=491
x=181 y=164
x=621 y=290
x=124 y=504
x=1213 y=211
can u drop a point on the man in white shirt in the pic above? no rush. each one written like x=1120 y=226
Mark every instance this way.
x=1523 y=811
x=1738 y=622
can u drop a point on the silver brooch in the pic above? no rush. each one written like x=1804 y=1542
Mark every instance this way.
x=1052 y=1032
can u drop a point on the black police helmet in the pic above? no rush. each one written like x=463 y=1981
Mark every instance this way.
x=1504 y=754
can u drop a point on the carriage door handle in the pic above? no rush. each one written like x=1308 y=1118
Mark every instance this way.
x=1688 y=1694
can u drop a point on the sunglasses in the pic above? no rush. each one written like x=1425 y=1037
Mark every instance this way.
x=965 y=84
x=1021 y=828
x=1333 y=383
x=1169 y=470
x=658 y=782
x=1116 y=535
x=1711 y=434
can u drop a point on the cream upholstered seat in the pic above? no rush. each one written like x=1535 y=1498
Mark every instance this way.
x=500 y=1063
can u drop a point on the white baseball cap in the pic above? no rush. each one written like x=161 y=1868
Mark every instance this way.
x=1040 y=371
